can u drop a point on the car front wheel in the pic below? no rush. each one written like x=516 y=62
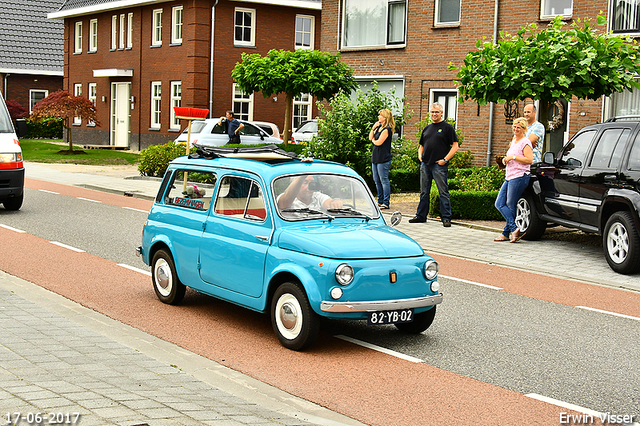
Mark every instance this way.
x=168 y=287
x=421 y=322
x=621 y=243
x=294 y=322
x=527 y=219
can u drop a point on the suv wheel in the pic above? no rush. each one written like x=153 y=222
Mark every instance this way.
x=621 y=243
x=527 y=219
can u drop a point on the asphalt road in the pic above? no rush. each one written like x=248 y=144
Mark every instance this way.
x=510 y=340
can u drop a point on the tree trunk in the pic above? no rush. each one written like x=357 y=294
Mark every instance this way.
x=66 y=126
x=286 y=133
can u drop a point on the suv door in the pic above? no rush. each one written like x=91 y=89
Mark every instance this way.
x=560 y=184
x=602 y=171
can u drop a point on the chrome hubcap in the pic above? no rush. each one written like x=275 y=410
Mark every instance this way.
x=523 y=215
x=289 y=316
x=618 y=243
x=163 y=277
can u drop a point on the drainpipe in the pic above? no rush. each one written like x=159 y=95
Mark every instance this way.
x=213 y=18
x=492 y=105
x=4 y=90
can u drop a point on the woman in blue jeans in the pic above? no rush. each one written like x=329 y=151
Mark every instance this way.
x=518 y=164
x=380 y=135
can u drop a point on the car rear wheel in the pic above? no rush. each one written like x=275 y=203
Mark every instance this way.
x=13 y=203
x=168 y=287
x=527 y=219
x=421 y=322
x=621 y=243
x=294 y=322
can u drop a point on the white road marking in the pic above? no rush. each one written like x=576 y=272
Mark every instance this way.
x=563 y=404
x=609 y=313
x=472 y=282
x=379 y=349
x=67 y=247
x=137 y=210
x=89 y=199
x=133 y=268
x=48 y=192
x=20 y=231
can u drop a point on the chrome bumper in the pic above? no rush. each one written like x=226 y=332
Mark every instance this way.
x=383 y=305
x=139 y=251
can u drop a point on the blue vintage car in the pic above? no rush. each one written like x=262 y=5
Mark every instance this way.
x=300 y=238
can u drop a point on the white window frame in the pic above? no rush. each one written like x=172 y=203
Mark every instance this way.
x=553 y=13
x=93 y=97
x=386 y=43
x=77 y=48
x=93 y=35
x=436 y=15
x=31 y=93
x=241 y=98
x=156 y=27
x=130 y=31
x=77 y=91
x=251 y=42
x=156 y=105
x=627 y=20
x=176 y=101
x=452 y=97
x=177 y=19
x=122 y=32
x=304 y=100
x=114 y=32
x=302 y=32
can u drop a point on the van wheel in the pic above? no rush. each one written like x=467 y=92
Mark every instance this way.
x=168 y=287
x=621 y=243
x=294 y=322
x=528 y=220
x=421 y=322
x=13 y=203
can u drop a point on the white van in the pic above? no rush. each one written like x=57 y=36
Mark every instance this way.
x=11 y=167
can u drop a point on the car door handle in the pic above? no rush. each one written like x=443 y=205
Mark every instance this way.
x=611 y=179
x=262 y=238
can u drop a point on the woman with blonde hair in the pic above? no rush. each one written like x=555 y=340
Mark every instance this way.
x=380 y=134
x=517 y=173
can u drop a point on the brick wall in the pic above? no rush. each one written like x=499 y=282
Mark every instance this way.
x=19 y=85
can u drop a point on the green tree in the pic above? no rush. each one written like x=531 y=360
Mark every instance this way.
x=343 y=130
x=293 y=73
x=64 y=106
x=549 y=64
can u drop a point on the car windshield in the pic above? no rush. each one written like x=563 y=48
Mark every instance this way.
x=318 y=196
x=310 y=127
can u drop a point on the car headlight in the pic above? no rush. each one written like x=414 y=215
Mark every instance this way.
x=430 y=269
x=344 y=274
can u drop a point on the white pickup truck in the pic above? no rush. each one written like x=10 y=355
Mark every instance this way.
x=11 y=167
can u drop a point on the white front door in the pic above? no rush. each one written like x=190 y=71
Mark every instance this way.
x=120 y=113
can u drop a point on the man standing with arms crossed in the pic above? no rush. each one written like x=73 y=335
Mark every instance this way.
x=438 y=145
x=535 y=132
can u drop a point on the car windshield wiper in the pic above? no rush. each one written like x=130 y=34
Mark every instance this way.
x=349 y=211
x=307 y=210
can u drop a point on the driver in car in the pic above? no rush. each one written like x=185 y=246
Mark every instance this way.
x=301 y=194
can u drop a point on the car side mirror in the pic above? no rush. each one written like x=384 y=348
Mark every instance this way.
x=549 y=158
x=396 y=218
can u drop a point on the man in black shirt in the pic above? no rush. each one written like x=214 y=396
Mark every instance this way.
x=438 y=145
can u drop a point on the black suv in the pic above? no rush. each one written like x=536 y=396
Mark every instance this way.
x=592 y=184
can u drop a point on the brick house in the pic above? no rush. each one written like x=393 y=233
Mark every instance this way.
x=136 y=59
x=409 y=44
x=31 y=51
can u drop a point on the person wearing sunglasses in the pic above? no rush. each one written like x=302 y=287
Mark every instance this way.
x=518 y=161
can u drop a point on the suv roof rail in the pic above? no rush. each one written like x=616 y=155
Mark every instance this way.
x=623 y=117
x=265 y=153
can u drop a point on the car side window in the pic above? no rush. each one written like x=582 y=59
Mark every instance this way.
x=191 y=189
x=634 y=155
x=241 y=198
x=609 y=149
x=250 y=130
x=219 y=129
x=575 y=152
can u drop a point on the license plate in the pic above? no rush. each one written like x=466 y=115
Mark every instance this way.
x=390 y=317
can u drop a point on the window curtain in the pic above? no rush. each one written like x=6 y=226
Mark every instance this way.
x=449 y=11
x=365 y=22
x=625 y=103
x=396 y=22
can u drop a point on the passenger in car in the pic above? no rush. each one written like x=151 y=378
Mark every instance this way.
x=301 y=194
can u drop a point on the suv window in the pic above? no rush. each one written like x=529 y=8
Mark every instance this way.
x=634 y=155
x=575 y=153
x=242 y=198
x=195 y=194
x=251 y=130
x=609 y=149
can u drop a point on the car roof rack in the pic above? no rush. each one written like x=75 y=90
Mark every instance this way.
x=623 y=117
x=267 y=153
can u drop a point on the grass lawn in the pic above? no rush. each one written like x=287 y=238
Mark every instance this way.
x=40 y=151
